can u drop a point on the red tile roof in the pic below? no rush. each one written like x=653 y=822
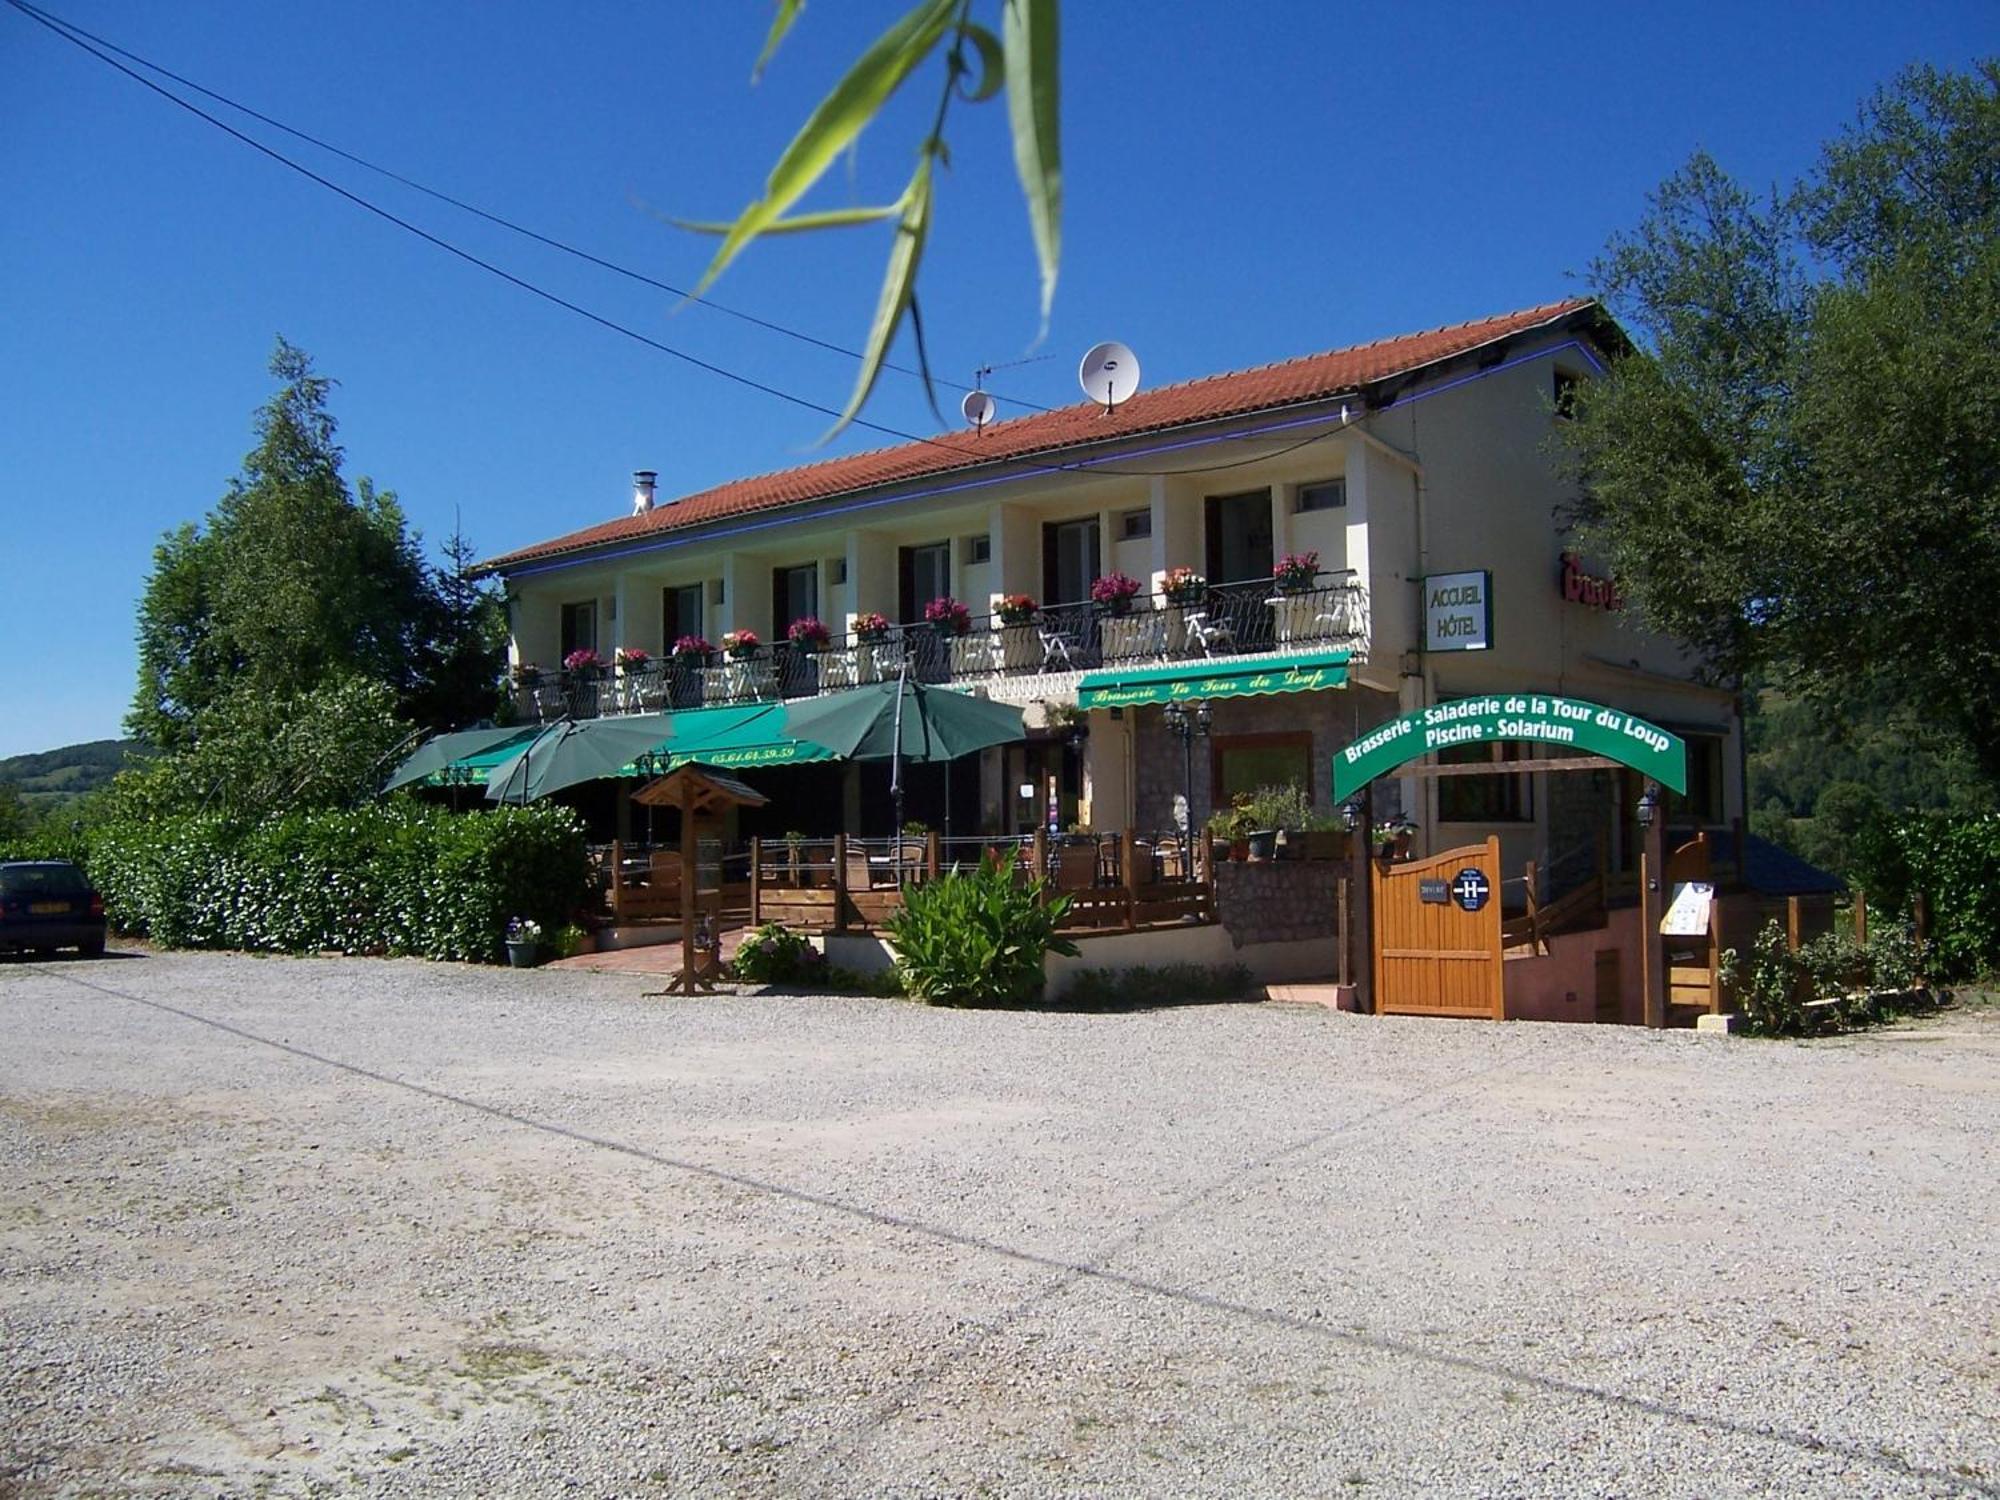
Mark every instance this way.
x=1290 y=382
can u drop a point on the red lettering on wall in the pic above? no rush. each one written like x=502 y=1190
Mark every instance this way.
x=1579 y=587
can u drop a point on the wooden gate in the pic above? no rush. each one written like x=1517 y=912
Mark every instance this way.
x=1437 y=934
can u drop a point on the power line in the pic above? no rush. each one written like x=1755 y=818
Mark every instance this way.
x=972 y=456
x=501 y=220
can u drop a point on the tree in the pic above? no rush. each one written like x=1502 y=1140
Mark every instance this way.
x=293 y=582
x=1023 y=59
x=1799 y=472
x=16 y=821
x=465 y=643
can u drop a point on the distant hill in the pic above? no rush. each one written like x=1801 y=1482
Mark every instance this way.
x=52 y=777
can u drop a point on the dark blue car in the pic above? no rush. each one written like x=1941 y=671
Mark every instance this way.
x=47 y=904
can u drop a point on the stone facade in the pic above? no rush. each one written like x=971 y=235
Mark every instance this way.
x=1333 y=717
x=1278 y=900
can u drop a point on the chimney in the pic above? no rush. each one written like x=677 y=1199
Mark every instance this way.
x=642 y=490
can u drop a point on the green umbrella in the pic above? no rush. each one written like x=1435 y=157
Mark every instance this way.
x=904 y=720
x=573 y=751
x=934 y=723
x=440 y=750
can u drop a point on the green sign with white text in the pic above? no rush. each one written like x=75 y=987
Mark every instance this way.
x=1538 y=718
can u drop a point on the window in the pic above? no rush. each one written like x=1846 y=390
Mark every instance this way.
x=680 y=613
x=1565 y=394
x=794 y=595
x=1321 y=494
x=1133 y=525
x=1071 y=560
x=579 y=627
x=1240 y=763
x=1485 y=799
x=1239 y=536
x=1703 y=803
x=924 y=574
x=979 y=549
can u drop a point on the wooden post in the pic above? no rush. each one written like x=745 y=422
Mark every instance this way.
x=617 y=884
x=1040 y=854
x=1361 y=904
x=840 y=882
x=933 y=853
x=1534 y=908
x=1128 y=866
x=1344 y=915
x=1795 y=932
x=1920 y=921
x=1652 y=957
x=690 y=878
x=1861 y=916
x=756 y=881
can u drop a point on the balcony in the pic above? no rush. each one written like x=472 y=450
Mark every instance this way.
x=1040 y=657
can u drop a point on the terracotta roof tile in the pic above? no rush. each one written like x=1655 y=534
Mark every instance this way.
x=1210 y=398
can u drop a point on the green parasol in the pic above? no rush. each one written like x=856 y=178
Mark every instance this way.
x=440 y=750
x=573 y=751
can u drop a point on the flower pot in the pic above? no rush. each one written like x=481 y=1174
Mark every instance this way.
x=522 y=952
x=1325 y=843
x=1122 y=605
x=1263 y=844
x=742 y=653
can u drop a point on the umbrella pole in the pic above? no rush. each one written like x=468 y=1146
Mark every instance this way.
x=896 y=746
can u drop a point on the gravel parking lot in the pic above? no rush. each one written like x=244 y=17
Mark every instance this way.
x=274 y=1226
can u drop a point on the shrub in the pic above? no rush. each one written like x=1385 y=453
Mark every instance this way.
x=1769 y=991
x=394 y=878
x=1953 y=863
x=1283 y=806
x=777 y=955
x=974 y=937
x=1173 y=984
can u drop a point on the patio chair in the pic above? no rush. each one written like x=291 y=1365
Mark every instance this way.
x=860 y=872
x=1055 y=644
x=1206 y=633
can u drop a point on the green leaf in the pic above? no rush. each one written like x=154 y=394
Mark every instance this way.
x=788 y=12
x=831 y=218
x=992 y=64
x=1029 y=28
x=898 y=284
x=840 y=117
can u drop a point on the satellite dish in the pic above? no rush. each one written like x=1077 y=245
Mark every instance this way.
x=1109 y=374
x=978 y=408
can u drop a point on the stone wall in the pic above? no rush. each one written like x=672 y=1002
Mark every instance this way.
x=1278 y=900
x=1333 y=717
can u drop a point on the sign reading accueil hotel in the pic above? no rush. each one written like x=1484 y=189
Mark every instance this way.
x=1543 y=718
x=1458 y=611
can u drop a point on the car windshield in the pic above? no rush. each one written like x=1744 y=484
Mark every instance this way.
x=42 y=880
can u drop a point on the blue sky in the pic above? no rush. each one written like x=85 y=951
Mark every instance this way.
x=1291 y=178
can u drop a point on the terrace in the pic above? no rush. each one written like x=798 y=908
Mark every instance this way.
x=1039 y=653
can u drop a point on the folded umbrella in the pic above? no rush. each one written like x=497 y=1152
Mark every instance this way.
x=440 y=750
x=574 y=751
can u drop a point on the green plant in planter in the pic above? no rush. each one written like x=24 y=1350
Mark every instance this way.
x=777 y=955
x=1282 y=806
x=1231 y=824
x=974 y=937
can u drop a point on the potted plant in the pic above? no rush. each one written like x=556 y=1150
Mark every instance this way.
x=871 y=627
x=1183 y=587
x=1296 y=572
x=1016 y=609
x=524 y=942
x=631 y=660
x=584 y=662
x=1229 y=829
x=691 y=650
x=1325 y=837
x=741 y=644
x=1392 y=839
x=948 y=616
x=1276 y=813
x=1114 y=592
x=809 y=634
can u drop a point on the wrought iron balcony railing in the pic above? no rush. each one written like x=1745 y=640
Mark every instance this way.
x=1217 y=620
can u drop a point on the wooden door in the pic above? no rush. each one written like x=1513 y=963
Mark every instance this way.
x=1437 y=934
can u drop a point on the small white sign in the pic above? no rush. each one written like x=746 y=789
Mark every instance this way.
x=1687 y=914
x=1458 y=611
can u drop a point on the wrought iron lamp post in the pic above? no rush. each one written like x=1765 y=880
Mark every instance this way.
x=1189 y=722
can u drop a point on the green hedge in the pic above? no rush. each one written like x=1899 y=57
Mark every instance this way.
x=1953 y=862
x=397 y=878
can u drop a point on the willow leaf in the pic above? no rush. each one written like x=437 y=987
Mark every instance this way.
x=839 y=118
x=830 y=218
x=899 y=284
x=788 y=12
x=1029 y=29
x=992 y=64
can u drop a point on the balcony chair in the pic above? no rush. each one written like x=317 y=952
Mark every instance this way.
x=1210 y=635
x=1055 y=643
